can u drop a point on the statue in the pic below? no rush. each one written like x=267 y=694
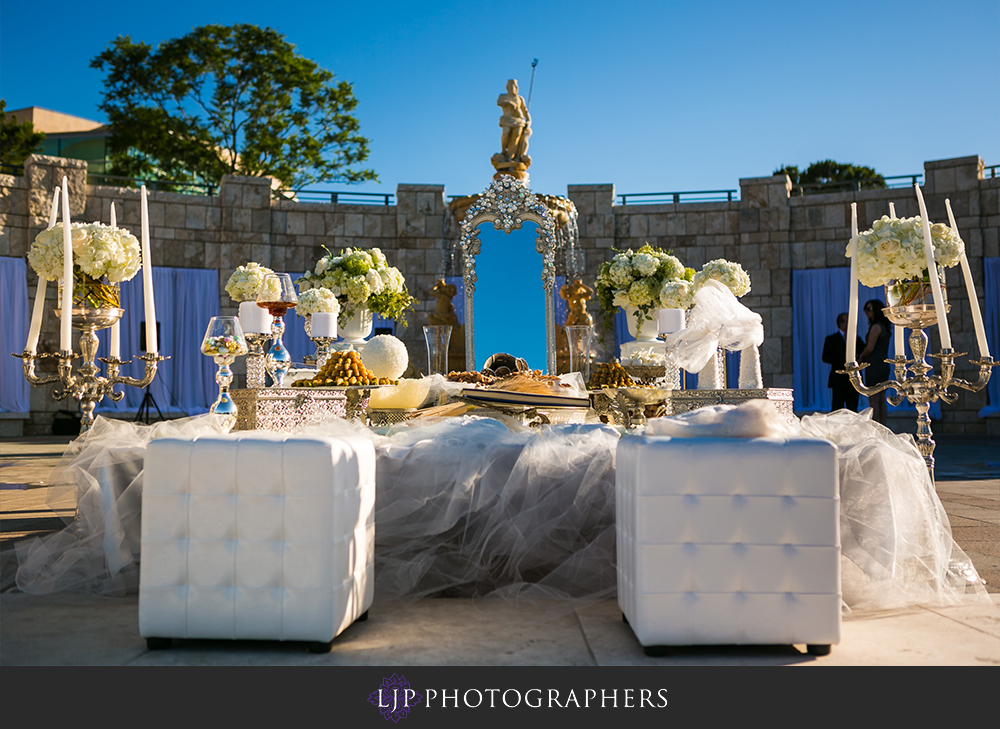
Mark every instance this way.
x=577 y=294
x=515 y=121
x=444 y=310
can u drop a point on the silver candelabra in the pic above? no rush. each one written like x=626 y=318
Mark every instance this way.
x=86 y=385
x=913 y=379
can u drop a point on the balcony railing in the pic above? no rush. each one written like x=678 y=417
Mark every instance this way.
x=155 y=185
x=892 y=181
x=689 y=196
x=16 y=170
x=342 y=197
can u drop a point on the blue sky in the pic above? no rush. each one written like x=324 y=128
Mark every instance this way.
x=650 y=96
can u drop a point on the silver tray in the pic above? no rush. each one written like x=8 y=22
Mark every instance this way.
x=284 y=408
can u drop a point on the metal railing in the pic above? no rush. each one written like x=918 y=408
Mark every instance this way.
x=891 y=181
x=16 y=170
x=155 y=185
x=992 y=169
x=654 y=198
x=338 y=196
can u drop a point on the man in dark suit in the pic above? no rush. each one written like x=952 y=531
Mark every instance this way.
x=835 y=354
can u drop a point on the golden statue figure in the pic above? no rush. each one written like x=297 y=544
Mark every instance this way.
x=577 y=294
x=515 y=121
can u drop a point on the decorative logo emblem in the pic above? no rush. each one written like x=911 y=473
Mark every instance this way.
x=394 y=698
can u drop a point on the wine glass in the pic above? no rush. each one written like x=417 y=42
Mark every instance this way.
x=277 y=295
x=224 y=341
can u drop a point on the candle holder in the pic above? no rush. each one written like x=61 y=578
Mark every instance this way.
x=324 y=322
x=256 y=368
x=913 y=381
x=87 y=386
x=277 y=295
x=224 y=342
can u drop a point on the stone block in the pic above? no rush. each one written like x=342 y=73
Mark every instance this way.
x=816 y=217
x=429 y=203
x=695 y=224
x=333 y=223
x=315 y=224
x=781 y=281
x=260 y=221
x=676 y=224
x=837 y=216
x=604 y=242
x=174 y=216
x=389 y=229
x=242 y=220
x=816 y=254
x=194 y=217
x=586 y=202
x=230 y=192
x=354 y=225
x=295 y=223
x=638 y=226
x=732 y=222
x=781 y=322
x=715 y=223
x=749 y=220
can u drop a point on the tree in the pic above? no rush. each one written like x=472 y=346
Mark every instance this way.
x=17 y=141
x=228 y=100
x=827 y=171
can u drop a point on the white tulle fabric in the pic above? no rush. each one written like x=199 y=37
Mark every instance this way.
x=99 y=551
x=469 y=506
x=717 y=319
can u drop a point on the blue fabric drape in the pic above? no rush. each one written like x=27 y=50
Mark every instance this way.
x=186 y=298
x=15 y=310
x=991 y=321
x=818 y=296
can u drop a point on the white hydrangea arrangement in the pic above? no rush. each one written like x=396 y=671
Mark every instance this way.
x=99 y=251
x=361 y=278
x=677 y=294
x=637 y=278
x=245 y=281
x=318 y=301
x=893 y=250
x=728 y=273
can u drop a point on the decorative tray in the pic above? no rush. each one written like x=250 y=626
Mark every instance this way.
x=528 y=399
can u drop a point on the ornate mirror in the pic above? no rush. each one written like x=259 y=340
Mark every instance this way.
x=508 y=203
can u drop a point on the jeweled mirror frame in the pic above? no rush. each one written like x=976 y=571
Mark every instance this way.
x=508 y=203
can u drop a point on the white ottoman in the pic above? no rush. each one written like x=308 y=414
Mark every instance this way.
x=728 y=541
x=256 y=535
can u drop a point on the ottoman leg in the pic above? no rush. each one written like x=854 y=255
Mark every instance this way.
x=321 y=647
x=818 y=650
x=624 y=619
x=363 y=617
x=158 y=644
x=656 y=651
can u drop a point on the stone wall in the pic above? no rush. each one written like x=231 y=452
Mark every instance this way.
x=769 y=232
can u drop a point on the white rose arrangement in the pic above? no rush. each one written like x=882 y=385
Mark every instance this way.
x=99 y=251
x=637 y=278
x=893 y=250
x=360 y=278
x=318 y=301
x=245 y=281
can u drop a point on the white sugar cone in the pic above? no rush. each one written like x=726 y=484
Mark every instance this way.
x=712 y=375
x=750 y=377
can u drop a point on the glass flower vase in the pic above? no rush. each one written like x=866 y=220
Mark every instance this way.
x=910 y=302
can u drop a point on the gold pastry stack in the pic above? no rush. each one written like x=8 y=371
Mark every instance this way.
x=343 y=369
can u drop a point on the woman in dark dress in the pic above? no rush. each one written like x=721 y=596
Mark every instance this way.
x=875 y=353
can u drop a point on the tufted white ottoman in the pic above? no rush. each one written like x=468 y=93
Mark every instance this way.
x=728 y=541
x=256 y=536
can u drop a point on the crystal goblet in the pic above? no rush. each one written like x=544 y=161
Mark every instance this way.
x=224 y=341
x=277 y=295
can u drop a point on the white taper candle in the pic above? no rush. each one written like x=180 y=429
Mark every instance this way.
x=852 y=310
x=66 y=324
x=942 y=315
x=147 y=279
x=116 y=328
x=35 y=327
x=898 y=333
x=892 y=211
x=977 y=315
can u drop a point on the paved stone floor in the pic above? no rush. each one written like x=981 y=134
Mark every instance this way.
x=84 y=630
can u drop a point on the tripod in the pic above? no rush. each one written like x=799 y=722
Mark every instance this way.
x=143 y=413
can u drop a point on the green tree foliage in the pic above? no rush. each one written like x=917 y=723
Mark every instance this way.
x=229 y=100
x=17 y=141
x=827 y=171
